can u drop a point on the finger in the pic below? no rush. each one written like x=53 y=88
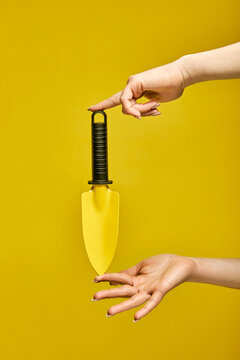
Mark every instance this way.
x=123 y=291
x=114 y=100
x=148 y=106
x=152 y=113
x=133 y=270
x=121 y=278
x=134 y=301
x=127 y=103
x=150 y=305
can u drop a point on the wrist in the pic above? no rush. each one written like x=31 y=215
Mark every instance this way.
x=191 y=71
x=184 y=65
x=189 y=266
x=194 y=269
x=194 y=69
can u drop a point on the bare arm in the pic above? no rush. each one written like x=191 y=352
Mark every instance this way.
x=222 y=63
x=224 y=272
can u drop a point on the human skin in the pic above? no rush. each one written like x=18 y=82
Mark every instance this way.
x=166 y=83
x=151 y=279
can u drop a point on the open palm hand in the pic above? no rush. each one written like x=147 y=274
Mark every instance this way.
x=147 y=282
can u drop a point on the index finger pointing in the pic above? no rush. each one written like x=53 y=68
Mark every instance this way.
x=121 y=278
x=114 y=100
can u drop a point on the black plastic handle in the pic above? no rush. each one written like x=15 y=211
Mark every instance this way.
x=99 y=151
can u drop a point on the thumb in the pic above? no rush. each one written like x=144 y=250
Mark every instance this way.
x=128 y=101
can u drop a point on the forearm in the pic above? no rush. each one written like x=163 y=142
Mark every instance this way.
x=224 y=272
x=222 y=63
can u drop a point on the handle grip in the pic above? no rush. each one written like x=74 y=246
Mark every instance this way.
x=99 y=151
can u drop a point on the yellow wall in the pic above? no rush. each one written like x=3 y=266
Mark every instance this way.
x=178 y=176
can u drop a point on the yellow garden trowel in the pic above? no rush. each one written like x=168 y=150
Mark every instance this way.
x=100 y=205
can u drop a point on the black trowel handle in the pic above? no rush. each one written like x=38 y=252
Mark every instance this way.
x=99 y=150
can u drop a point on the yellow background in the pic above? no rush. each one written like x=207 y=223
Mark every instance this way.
x=178 y=177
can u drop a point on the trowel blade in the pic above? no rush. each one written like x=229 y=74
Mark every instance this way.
x=100 y=216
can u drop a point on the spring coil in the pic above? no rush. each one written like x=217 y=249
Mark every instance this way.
x=99 y=151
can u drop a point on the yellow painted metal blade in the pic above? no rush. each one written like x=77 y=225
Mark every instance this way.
x=100 y=214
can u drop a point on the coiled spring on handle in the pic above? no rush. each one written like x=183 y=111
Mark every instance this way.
x=99 y=151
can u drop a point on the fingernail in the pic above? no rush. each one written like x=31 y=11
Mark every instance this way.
x=107 y=315
x=135 y=320
x=138 y=117
x=155 y=106
x=95 y=281
x=94 y=299
x=158 y=113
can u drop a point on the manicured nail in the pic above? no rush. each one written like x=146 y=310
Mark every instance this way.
x=94 y=299
x=107 y=315
x=158 y=113
x=138 y=117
